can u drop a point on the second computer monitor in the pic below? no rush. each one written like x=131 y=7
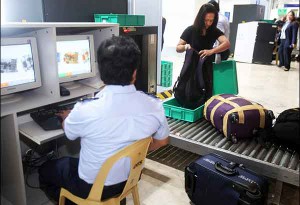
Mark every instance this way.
x=75 y=57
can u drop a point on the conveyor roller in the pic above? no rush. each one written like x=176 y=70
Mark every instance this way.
x=202 y=138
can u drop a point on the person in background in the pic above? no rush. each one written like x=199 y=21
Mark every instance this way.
x=223 y=25
x=279 y=24
x=288 y=38
x=118 y=116
x=283 y=18
x=298 y=40
x=163 y=24
x=201 y=37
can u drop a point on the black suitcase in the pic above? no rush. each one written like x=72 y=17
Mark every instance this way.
x=212 y=180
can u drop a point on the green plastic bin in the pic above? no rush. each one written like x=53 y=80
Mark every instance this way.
x=122 y=19
x=166 y=65
x=166 y=73
x=267 y=21
x=225 y=81
x=173 y=109
x=166 y=81
x=225 y=78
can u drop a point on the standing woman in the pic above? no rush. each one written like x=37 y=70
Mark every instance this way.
x=288 y=38
x=201 y=37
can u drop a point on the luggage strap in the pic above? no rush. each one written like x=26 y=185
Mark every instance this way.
x=237 y=108
x=228 y=101
x=245 y=108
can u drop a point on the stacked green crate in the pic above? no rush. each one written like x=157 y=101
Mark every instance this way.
x=166 y=73
x=122 y=19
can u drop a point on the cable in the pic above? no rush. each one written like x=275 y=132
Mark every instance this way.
x=27 y=183
x=56 y=153
x=31 y=163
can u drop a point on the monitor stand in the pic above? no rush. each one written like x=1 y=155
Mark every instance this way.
x=12 y=98
x=71 y=85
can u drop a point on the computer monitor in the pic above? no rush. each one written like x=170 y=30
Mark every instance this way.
x=20 y=69
x=75 y=58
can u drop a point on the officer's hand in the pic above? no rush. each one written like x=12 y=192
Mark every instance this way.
x=205 y=53
x=63 y=114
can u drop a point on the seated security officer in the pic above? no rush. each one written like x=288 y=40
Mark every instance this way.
x=118 y=116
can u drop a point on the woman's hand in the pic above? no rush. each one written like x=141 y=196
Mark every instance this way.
x=187 y=47
x=182 y=46
x=205 y=53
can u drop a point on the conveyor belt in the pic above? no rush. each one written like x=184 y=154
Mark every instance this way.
x=202 y=138
x=173 y=157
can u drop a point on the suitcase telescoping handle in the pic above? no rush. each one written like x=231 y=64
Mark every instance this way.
x=190 y=181
x=225 y=170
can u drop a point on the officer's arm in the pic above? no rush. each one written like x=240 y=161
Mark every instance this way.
x=155 y=144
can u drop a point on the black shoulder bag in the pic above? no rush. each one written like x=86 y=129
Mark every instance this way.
x=189 y=89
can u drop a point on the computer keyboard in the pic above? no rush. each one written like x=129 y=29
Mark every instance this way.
x=48 y=119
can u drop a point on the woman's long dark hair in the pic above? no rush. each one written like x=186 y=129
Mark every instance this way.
x=199 y=23
x=293 y=14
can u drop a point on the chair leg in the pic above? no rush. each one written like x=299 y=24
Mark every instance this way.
x=135 y=195
x=62 y=200
x=123 y=201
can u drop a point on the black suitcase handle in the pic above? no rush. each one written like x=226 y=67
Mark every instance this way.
x=225 y=170
x=190 y=181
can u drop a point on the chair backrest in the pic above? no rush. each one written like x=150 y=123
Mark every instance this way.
x=137 y=152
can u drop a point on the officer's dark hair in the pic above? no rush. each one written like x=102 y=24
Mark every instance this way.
x=199 y=23
x=118 y=57
x=216 y=5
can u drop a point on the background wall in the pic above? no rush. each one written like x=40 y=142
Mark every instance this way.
x=179 y=15
x=16 y=10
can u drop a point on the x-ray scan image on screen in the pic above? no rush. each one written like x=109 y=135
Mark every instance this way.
x=73 y=57
x=16 y=65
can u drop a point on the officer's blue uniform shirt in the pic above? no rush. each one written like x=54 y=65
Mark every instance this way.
x=119 y=117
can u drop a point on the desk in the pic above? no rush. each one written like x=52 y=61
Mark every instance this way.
x=34 y=132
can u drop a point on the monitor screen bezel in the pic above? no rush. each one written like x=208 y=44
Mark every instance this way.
x=92 y=57
x=36 y=65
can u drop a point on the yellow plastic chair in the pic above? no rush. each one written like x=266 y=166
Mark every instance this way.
x=137 y=153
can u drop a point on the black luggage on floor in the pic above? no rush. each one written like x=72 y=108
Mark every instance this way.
x=213 y=180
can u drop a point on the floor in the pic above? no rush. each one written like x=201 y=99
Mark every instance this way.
x=160 y=184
